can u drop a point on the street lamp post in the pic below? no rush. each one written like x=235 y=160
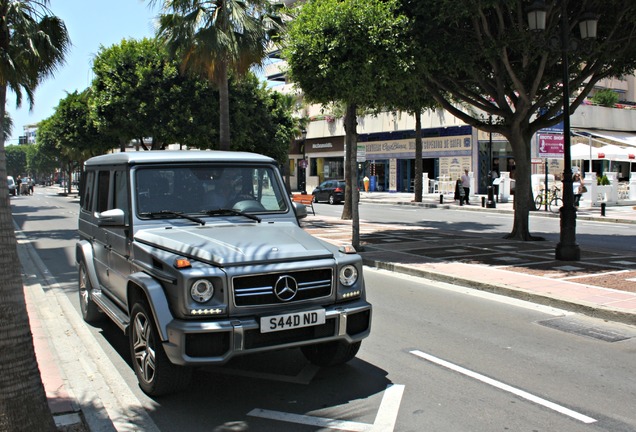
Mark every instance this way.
x=303 y=139
x=567 y=249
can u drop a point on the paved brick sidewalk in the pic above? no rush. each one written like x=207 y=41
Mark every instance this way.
x=601 y=284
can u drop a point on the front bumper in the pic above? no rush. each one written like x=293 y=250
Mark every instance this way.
x=216 y=342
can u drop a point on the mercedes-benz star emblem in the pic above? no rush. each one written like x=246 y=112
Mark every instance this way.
x=285 y=288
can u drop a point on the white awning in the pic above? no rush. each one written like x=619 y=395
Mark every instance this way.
x=624 y=138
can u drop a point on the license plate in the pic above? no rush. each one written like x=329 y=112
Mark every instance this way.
x=292 y=320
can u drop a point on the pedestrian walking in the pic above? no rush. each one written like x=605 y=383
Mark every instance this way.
x=18 y=184
x=466 y=185
x=579 y=188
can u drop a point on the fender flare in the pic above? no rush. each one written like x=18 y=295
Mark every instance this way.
x=157 y=301
x=84 y=253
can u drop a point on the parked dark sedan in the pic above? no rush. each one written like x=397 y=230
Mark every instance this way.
x=331 y=191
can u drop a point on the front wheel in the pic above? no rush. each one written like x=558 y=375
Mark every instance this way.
x=90 y=312
x=556 y=204
x=155 y=373
x=330 y=353
x=538 y=202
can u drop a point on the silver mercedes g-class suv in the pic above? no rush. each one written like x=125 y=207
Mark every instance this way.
x=198 y=256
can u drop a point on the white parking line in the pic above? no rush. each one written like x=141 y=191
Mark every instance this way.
x=505 y=387
x=384 y=421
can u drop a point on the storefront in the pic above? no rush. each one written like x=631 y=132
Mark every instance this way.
x=325 y=160
x=390 y=157
x=495 y=154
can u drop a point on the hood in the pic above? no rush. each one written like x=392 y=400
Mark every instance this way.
x=231 y=245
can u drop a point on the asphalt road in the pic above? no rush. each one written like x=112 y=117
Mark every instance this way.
x=440 y=358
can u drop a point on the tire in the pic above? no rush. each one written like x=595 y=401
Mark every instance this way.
x=556 y=204
x=538 y=202
x=90 y=312
x=332 y=200
x=330 y=353
x=155 y=373
x=315 y=198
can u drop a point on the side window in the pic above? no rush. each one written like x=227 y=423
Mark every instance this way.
x=103 y=183
x=121 y=193
x=88 y=185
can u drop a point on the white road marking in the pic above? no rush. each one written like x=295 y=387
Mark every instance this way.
x=389 y=407
x=384 y=420
x=311 y=420
x=498 y=384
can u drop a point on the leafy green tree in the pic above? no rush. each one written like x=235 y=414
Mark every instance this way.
x=40 y=163
x=482 y=60
x=606 y=97
x=72 y=132
x=138 y=92
x=16 y=160
x=33 y=43
x=213 y=38
x=347 y=51
x=261 y=118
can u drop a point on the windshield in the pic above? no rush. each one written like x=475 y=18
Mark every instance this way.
x=205 y=189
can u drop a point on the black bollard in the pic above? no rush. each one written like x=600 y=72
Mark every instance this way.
x=483 y=201
x=491 y=199
x=603 y=209
x=441 y=198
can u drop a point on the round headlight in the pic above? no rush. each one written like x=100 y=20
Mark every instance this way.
x=348 y=275
x=202 y=290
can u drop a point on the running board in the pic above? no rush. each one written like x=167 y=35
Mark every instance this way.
x=110 y=308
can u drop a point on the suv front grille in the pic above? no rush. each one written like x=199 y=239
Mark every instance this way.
x=259 y=290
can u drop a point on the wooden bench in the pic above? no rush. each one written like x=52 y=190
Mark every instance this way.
x=306 y=199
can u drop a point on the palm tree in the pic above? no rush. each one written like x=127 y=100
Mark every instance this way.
x=213 y=38
x=33 y=44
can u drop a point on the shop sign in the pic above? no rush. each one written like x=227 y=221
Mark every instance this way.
x=431 y=146
x=551 y=146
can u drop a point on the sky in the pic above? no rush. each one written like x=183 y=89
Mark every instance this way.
x=90 y=24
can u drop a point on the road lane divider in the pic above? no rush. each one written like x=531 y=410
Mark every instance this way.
x=505 y=387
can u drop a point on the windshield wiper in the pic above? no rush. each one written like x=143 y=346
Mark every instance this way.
x=224 y=211
x=173 y=213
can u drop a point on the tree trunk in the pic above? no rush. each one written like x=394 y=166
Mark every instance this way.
x=348 y=127
x=69 y=176
x=418 y=157
x=23 y=404
x=352 y=142
x=224 y=108
x=351 y=174
x=520 y=140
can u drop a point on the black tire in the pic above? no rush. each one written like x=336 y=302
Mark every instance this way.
x=330 y=353
x=538 y=202
x=332 y=200
x=90 y=312
x=315 y=198
x=556 y=204
x=156 y=374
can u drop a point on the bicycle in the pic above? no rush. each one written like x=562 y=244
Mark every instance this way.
x=552 y=198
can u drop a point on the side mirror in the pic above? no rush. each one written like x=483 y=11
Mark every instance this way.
x=300 y=210
x=114 y=217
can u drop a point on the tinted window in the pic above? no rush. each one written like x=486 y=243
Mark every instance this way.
x=200 y=188
x=87 y=185
x=103 y=182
